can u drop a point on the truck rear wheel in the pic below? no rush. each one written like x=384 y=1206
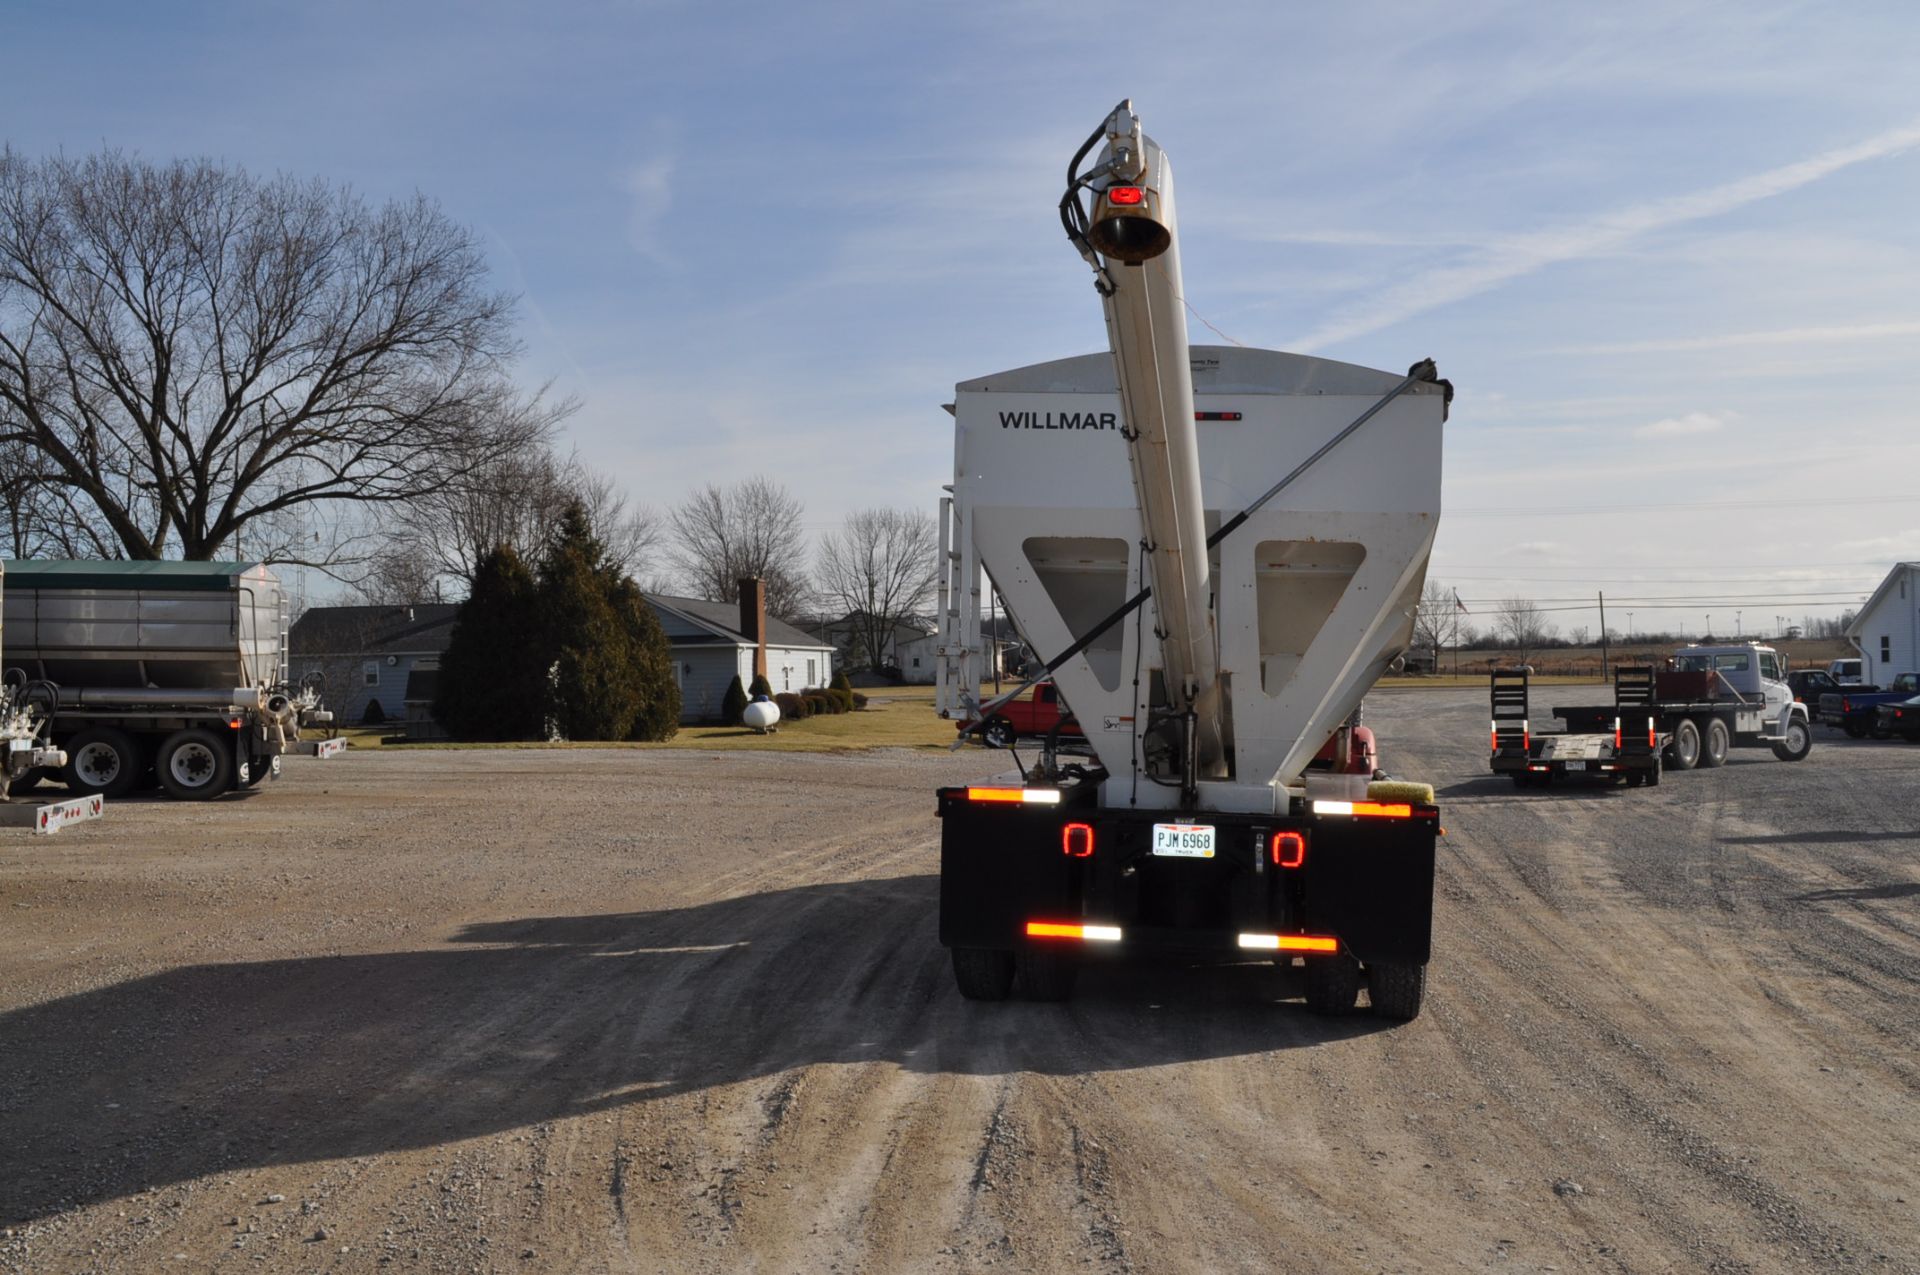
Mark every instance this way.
x=101 y=760
x=983 y=973
x=1396 y=988
x=195 y=764
x=1684 y=752
x=1796 y=743
x=1854 y=729
x=1048 y=975
x=1333 y=983
x=1713 y=752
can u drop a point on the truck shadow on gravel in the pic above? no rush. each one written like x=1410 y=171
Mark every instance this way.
x=215 y=1068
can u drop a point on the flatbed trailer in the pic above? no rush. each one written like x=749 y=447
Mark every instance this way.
x=1660 y=719
x=1626 y=741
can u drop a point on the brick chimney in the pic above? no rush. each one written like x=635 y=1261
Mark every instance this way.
x=753 y=620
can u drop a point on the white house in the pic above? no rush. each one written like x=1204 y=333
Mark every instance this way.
x=1887 y=630
x=714 y=642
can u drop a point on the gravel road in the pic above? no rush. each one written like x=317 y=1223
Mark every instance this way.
x=672 y=1011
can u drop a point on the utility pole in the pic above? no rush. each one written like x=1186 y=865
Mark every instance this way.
x=1603 y=635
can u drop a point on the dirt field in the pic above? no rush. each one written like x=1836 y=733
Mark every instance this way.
x=672 y=1011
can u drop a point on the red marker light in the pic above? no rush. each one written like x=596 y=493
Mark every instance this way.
x=1124 y=195
x=1289 y=850
x=1076 y=841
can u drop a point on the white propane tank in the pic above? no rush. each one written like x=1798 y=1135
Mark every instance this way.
x=762 y=715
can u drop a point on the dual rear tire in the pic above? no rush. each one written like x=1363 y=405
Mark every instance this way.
x=1395 y=988
x=193 y=764
x=989 y=974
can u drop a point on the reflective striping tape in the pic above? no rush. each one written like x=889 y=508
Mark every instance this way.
x=1071 y=930
x=1027 y=796
x=1290 y=942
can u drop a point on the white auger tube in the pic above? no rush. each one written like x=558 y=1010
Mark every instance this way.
x=1134 y=230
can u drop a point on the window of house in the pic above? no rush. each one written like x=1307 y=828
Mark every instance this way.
x=916 y=661
x=786 y=678
x=1886 y=649
x=810 y=681
x=370 y=673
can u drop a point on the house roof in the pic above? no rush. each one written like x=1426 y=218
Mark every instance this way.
x=425 y=627
x=1855 y=629
x=723 y=620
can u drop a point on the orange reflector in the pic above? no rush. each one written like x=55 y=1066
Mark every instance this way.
x=1031 y=796
x=1076 y=841
x=1290 y=942
x=1289 y=849
x=1066 y=930
x=235 y=723
x=1124 y=195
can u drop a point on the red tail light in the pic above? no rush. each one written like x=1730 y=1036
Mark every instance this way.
x=1289 y=849
x=1076 y=841
x=1124 y=195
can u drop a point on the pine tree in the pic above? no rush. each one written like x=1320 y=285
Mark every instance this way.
x=493 y=675
x=658 y=714
x=733 y=707
x=760 y=686
x=595 y=685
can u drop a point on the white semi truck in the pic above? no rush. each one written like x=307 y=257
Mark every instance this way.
x=1221 y=549
x=171 y=670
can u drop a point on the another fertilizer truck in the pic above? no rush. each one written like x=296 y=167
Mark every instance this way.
x=1222 y=549
x=170 y=672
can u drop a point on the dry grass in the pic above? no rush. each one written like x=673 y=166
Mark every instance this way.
x=906 y=723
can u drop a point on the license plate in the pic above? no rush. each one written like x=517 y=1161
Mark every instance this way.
x=1576 y=765
x=1183 y=840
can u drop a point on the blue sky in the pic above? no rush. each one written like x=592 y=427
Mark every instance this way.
x=1667 y=253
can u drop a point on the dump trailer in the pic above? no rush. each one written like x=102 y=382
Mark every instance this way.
x=1220 y=550
x=1713 y=700
x=174 y=671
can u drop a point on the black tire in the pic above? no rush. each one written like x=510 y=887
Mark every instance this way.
x=101 y=760
x=1854 y=729
x=998 y=733
x=1653 y=776
x=1521 y=779
x=1796 y=743
x=1048 y=975
x=983 y=973
x=26 y=783
x=1333 y=984
x=1396 y=988
x=257 y=769
x=1684 y=752
x=1715 y=744
x=195 y=764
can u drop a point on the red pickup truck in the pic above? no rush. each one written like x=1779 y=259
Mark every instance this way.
x=1035 y=715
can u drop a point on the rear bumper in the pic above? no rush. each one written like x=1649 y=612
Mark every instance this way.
x=1365 y=882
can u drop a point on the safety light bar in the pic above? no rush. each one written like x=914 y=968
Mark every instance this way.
x=1370 y=809
x=1069 y=930
x=1290 y=942
x=1028 y=796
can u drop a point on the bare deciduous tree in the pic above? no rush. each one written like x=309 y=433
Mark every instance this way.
x=877 y=570
x=1523 y=625
x=721 y=535
x=190 y=355
x=439 y=539
x=1433 y=620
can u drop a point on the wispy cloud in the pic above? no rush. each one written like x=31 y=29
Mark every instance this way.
x=1840 y=334
x=649 y=188
x=1678 y=426
x=1521 y=255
